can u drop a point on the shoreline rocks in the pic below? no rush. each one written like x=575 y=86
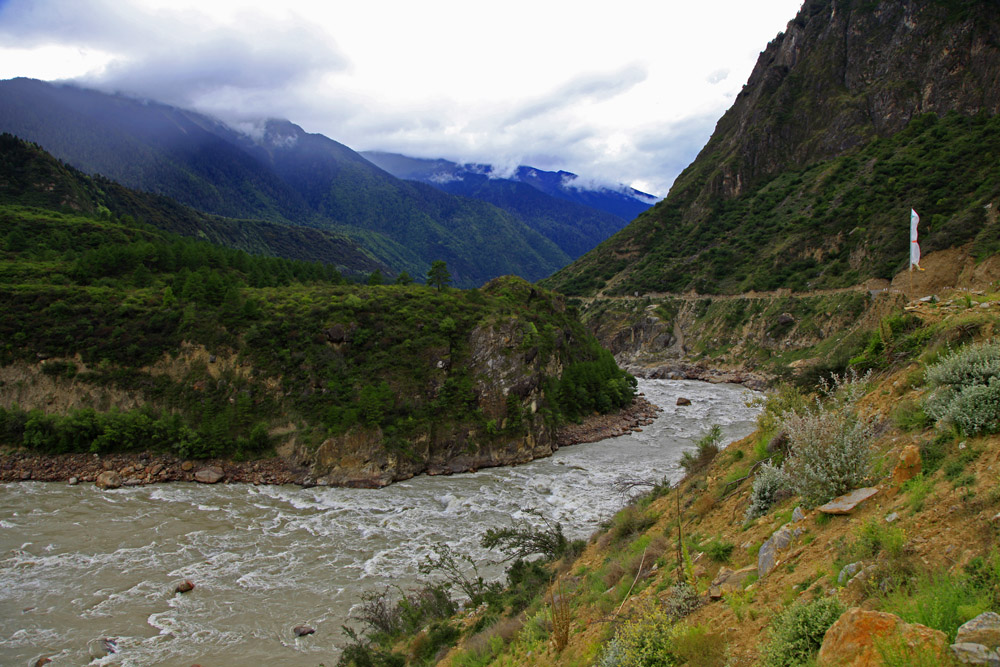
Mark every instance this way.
x=748 y=379
x=141 y=468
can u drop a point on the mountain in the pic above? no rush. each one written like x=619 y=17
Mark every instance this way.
x=277 y=172
x=571 y=225
x=623 y=202
x=857 y=112
x=31 y=177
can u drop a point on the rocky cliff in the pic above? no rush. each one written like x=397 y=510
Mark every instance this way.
x=856 y=113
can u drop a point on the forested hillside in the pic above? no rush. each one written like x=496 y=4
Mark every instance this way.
x=118 y=336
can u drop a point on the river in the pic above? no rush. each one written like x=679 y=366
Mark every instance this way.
x=78 y=565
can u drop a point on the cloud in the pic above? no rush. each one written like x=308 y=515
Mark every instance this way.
x=178 y=57
x=588 y=87
x=717 y=76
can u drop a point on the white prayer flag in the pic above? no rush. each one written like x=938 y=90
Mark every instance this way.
x=914 y=246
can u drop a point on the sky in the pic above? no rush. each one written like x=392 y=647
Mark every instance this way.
x=624 y=92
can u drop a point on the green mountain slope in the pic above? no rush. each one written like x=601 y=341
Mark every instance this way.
x=277 y=172
x=31 y=177
x=855 y=114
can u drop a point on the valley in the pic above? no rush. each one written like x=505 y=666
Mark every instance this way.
x=361 y=374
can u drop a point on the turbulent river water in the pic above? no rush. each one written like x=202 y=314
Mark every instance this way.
x=79 y=565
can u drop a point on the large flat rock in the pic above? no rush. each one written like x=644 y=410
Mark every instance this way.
x=847 y=502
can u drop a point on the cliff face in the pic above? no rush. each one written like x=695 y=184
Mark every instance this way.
x=857 y=112
x=507 y=373
x=845 y=71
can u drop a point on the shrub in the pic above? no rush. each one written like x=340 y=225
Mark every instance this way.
x=829 y=444
x=630 y=521
x=797 y=633
x=643 y=642
x=707 y=450
x=768 y=486
x=525 y=539
x=967 y=388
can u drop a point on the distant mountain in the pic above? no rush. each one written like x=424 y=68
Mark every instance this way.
x=574 y=227
x=623 y=202
x=276 y=172
x=29 y=176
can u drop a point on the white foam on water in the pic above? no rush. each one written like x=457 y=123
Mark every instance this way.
x=266 y=558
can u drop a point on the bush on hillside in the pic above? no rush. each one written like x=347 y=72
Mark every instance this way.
x=967 y=389
x=829 y=443
x=707 y=448
x=797 y=633
x=768 y=486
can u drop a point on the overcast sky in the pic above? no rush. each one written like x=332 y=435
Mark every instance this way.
x=623 y=91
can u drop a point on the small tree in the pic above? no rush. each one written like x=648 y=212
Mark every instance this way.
x=404 y=279
x=438 y=275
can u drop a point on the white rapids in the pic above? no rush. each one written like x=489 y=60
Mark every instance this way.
x=79 y=565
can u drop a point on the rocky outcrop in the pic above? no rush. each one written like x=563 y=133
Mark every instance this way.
x=855 y=638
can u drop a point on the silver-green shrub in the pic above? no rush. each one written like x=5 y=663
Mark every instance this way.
x=797 y=633
x=970 y=365
x=966 y=387
x=768 y=485
x=829 y=444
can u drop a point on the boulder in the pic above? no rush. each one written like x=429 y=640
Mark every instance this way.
x=983 y=629
x=109 y=479
x=683 y=401
x=184 y=586
x=767 y=557
x=187 y=466
x=73 y=481
x=730 y=581
x=975 y=654
x=849 y=571
x=908 y=466
x=303 y=630
x=209 y=475
x=846 y=503
x=855 y=638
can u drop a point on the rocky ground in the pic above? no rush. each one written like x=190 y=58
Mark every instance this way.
x=134 y=469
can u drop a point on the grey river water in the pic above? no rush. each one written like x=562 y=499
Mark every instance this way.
x=78 y=565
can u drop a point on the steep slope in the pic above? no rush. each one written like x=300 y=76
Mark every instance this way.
x=281 y=174
x=31 y=177
x=856 y=113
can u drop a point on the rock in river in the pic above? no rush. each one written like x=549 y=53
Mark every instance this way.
x=209 y=475
x=108 y=479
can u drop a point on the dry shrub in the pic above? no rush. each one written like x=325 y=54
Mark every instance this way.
x=703 y=505
x=614 y=573
x=559 y=602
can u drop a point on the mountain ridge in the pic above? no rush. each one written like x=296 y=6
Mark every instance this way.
x=303 y=179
